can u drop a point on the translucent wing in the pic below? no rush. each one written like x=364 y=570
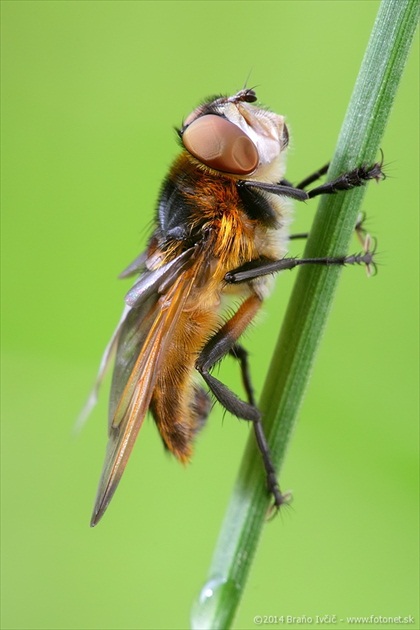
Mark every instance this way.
x=143 y=339
x=138 y=304
x=105 y=361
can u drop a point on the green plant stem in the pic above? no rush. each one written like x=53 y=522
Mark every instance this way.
x=307 y=313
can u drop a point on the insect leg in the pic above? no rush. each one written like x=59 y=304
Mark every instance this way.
x=223 y=342
x=313 y=177
x=359 y=229
x=308 y=180
x=239 y=353
x=264 y=266
x=295 y=237
x=357 y=177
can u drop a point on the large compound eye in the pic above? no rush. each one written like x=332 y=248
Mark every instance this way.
x=221 y=145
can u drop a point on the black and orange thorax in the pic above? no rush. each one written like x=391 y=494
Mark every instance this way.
x=195 y=206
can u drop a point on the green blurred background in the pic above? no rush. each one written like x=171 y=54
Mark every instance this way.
x=91 y=92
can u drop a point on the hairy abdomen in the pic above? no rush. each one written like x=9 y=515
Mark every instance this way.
x=179 y=405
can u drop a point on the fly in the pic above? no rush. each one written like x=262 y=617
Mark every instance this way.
x=221 y=231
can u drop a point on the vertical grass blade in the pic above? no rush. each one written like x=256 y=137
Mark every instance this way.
x=307 y=313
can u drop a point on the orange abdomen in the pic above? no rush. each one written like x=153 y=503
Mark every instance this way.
x=179 y=405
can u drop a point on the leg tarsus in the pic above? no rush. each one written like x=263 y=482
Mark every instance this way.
x=272 y=484
x=353 y=179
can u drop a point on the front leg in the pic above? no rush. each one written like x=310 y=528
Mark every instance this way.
x=353 y=179
x=222 y=343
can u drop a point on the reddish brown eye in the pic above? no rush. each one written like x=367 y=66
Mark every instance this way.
x=221 y=145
